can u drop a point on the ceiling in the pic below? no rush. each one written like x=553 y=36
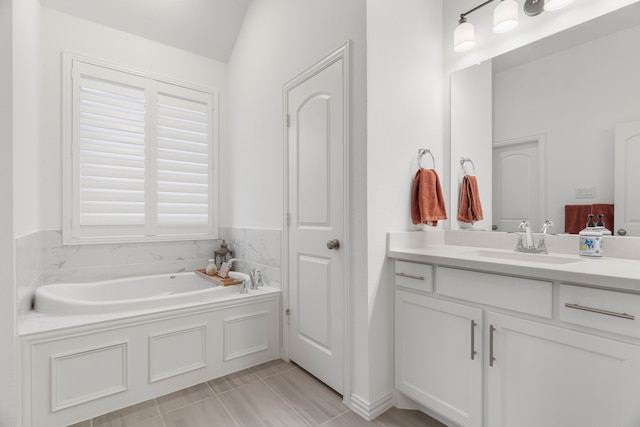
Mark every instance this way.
x=205 y=27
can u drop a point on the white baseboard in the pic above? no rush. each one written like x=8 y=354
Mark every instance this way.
x=371 y=410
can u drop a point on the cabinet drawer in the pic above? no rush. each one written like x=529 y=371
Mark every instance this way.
x=414 y=276
x=610 y=311
x=511 y=293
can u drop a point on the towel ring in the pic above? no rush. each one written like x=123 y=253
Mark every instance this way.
x=464 y=161
x=422 y=152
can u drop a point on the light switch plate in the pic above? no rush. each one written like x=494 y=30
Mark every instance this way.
x=585 y=192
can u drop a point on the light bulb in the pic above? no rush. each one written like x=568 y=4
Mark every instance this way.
x=505 y=16
x=556 y=4
x=464 y=36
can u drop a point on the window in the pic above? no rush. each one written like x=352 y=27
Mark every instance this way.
x=141 y=156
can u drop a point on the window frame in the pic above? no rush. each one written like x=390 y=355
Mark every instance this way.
x=74 y=236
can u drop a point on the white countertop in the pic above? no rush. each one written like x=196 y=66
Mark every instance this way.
x=606 y=272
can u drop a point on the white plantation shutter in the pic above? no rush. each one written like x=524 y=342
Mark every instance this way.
x=142 y=157
x=109 y=148
x=183 y=158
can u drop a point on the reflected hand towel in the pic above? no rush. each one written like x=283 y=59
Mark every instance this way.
x=470 y=209
x=427 y=203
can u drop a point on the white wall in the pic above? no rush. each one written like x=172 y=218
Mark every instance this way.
x=26 y=109
x=8 y=373
x=574 y=97
x=65 y=32
x=404 y=108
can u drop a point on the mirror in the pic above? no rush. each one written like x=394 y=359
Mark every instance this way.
x=555 y=105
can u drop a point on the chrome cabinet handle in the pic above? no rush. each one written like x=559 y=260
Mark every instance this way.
x=410 y=276
x=333 y=244
x=599 y=311
x=473 y=339
x=491 y=358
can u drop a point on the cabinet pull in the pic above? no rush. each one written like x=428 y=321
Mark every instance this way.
x=599 y=311
x=410 y=276
x=473 y=339
x=491 y=358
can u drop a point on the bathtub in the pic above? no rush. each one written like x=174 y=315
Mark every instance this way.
x=149 y=336
x=136 y=293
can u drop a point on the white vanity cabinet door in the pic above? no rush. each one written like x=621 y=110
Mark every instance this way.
x=434 y=341
x=548 y=376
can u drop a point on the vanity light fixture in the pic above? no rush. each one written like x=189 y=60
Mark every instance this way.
x=556 y=4
x=505 y=18
x=464 y=36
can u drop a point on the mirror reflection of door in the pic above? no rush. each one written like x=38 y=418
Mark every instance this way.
x=627 y=176
x=518 y=184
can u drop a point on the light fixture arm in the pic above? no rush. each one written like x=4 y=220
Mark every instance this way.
x=463 y=15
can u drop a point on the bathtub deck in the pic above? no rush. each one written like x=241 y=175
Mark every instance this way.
x=274 y=393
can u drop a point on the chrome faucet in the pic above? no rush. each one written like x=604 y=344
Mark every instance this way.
x=243 y=289
x=524 y=226
x=542 y=248
x=528 y=245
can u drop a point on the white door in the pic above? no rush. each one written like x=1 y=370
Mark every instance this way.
x=543 y=375
x=517 y=185
x=316 y=206
x=627 y=177
x=438 y=360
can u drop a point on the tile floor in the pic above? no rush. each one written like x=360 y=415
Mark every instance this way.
x=277 y=394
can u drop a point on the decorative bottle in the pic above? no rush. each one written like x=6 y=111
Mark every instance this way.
x=591 y=242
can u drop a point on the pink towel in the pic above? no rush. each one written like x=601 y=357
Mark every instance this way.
x=470 y=209
x=427 y=202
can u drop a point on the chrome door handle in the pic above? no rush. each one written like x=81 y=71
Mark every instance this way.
x=473 y=339
x=333 y=244
x=600 y=311
x=410 y=276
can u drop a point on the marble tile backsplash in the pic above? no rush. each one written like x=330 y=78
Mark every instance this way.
x=260 y=247
x=28 y=271
x=42 y=259
x=78 y=263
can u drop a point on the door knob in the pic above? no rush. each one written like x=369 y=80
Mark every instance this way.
x=622 y=232
x=333 y=244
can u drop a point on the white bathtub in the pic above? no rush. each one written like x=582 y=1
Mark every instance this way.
x=149 y=336
x=136 y=293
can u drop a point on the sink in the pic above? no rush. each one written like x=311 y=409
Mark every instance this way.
x=519 y=256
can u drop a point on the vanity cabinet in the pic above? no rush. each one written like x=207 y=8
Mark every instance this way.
x=493 y=350
x=545 y=375
x=438 y=356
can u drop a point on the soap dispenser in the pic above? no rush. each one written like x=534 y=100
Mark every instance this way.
x=591 y=242
x=600 y=226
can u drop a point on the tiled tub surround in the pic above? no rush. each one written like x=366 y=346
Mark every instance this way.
x=259 y=247
x=28 y=249
x=42 y=259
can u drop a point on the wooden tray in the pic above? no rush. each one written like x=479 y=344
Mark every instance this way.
x=230 y=281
